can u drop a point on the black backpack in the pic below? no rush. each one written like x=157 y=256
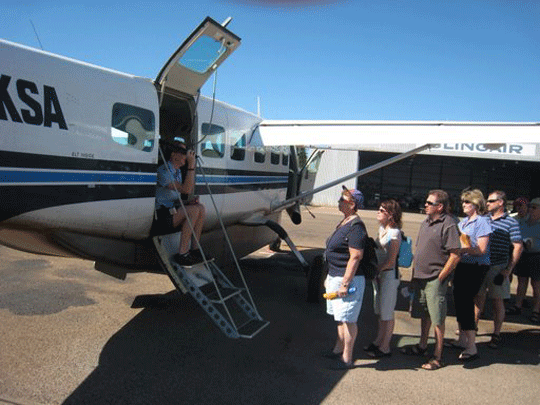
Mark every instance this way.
x=369 y=263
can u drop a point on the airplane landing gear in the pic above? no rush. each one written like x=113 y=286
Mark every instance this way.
x=316 y=276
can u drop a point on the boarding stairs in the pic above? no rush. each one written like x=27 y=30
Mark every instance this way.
x=230 y=307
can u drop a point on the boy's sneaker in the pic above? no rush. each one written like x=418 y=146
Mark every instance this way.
x=185 y=260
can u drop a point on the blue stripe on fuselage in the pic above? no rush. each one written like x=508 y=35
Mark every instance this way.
x=241 y=179
x=13 y=176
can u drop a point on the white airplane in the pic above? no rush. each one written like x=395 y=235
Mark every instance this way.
x=80 y=147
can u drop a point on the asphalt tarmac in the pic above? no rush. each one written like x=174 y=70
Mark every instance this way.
x=73 y=335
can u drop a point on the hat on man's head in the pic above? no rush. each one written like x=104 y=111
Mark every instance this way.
x=356 y=195
x=535 y=202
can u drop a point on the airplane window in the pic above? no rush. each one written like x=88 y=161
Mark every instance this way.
x=260 y=155
x=274 y=155
x=133 y=127
x=238 y=150
x=213 y=143
x=285 y=156
x=202 y=55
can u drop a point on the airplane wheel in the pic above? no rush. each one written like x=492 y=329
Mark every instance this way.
x=316 y=276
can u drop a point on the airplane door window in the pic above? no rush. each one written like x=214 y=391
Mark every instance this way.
x=238 y=150
x=213 y=141
x=259 y=155
x=133 y=127
x=202 y=55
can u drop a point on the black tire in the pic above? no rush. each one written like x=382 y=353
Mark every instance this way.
x=275 y=245
x=315 y=283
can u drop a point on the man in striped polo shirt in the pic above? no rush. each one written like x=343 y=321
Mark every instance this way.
x=505 y=246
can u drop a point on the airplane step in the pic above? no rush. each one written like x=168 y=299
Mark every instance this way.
x=199 y=273
x=230 y=307
x=226 y=294
x=252 y=328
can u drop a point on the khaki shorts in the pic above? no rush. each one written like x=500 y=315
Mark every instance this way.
x=430 y=300
x=495 y=291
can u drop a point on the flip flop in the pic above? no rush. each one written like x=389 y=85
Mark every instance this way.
x=433 y=364
x=466 y=357
x=329 y=354
x=414 y=350
x=341 y=365
x=378 y=353
x=495 y=342
x=370 y=348
x=513 y=310
x=453 y=344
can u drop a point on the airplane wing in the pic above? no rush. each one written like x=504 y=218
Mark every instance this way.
x=406 y=138
x=393 y=136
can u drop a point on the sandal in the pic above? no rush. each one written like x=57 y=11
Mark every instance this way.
x=535 y=317
x=466 y=357
x=513 y=310
x=414 y=350
x=495 y=341
x=433 y=364
x=378 y=353
x=341 y=365
x=454 y=344
x=331 y=355
x=371 y=348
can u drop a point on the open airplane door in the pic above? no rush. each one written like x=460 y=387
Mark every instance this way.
x=197 y=58
x=302 y=173
x=309 y=172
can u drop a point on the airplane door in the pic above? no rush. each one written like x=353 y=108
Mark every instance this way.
x=309 y=173
x=302 y=173
x=197 y=58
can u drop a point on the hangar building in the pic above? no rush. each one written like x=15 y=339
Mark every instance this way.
x=513 y=168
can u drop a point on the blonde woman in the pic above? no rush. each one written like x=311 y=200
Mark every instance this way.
x=385 y=285
x=474 y=264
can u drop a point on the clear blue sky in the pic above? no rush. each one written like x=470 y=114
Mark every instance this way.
x=367 y=60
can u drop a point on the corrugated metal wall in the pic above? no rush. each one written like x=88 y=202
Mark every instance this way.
x=334 y=164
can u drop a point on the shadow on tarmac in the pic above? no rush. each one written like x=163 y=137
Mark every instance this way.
x=171 y=353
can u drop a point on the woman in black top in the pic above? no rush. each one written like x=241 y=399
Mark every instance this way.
x=344 y=251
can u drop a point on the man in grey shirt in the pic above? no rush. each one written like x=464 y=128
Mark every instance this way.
x=436 y=256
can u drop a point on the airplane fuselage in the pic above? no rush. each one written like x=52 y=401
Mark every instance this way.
x=79 y=152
